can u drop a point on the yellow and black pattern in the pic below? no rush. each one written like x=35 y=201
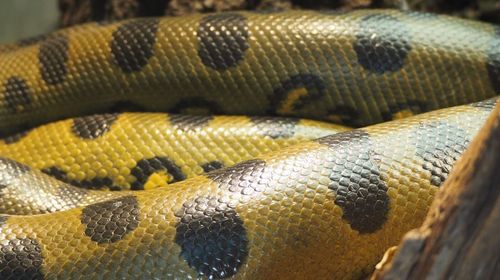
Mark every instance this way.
x=321 y=209
x=358 y=68
x=144 y=150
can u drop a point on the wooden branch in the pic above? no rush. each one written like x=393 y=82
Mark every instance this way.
x=460 y=238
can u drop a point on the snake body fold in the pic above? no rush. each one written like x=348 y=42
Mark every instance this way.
x=320 y=209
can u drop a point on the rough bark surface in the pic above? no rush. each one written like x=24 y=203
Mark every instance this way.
x=460 y=236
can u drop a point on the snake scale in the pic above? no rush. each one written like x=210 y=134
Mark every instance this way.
x=318 y=209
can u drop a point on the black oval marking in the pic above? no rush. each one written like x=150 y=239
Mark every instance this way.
x=146 y=167
x=212 y=237
x=189 y=122
x=296 y=92
x=110 y=221
x=92 y=127
x=360 y=190
x=53 y=55
x=222 y=40
x=382 y=43
x=440 y=145
x=133 y=44
x=275 y=127
x=17 y=94
x=493 y=62
x=15 y=137
x=212 y=165
x=97 y=183
x=21 y=258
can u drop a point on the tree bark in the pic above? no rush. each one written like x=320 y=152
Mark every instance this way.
x=460 y=238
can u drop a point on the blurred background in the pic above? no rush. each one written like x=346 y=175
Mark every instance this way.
x=28 y=18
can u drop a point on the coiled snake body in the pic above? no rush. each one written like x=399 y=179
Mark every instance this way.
x=326 y=208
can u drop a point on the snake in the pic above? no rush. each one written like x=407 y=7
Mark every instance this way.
x=323 y=208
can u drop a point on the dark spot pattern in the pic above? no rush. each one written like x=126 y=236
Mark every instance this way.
x=313 y=84
x=382 y=43
x=212 y=237
x=14 y=138
x=359 y=186
x=241 y=178
x=189 y=122
x=53 y=55
x=212 y=165
x=92 y=127
x=440 y=145
x=21 y=258
x=110 y=221
x=97 y=183
x=146 y=167
x=275 y=127
x=17 y=94
x=414 y=106
x=493 y=62
x=488 y=104
x=133 y=44
x=222 y=40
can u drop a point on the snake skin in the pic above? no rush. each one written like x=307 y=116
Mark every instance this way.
x=143 y=150
x=358 y=68
x=320 y=209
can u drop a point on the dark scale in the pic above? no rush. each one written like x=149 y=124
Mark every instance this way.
x=21 y=258
x=17 y=94
x=97 y=183
x=133 y=44
x=240 y=178
x=359 y=188
x=275 y=127
x=212 y=165
x=92 y=127
x=110 y=221
x=440 y=145
x=222 y=40
x=146 y=167
x=189 y=122
x=382 y=43
x=53 y=56
x=212 y=237
x=313 y=84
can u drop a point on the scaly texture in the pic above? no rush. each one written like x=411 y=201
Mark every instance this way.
x=320 y=209
x=144 y=150
x=359 y=68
